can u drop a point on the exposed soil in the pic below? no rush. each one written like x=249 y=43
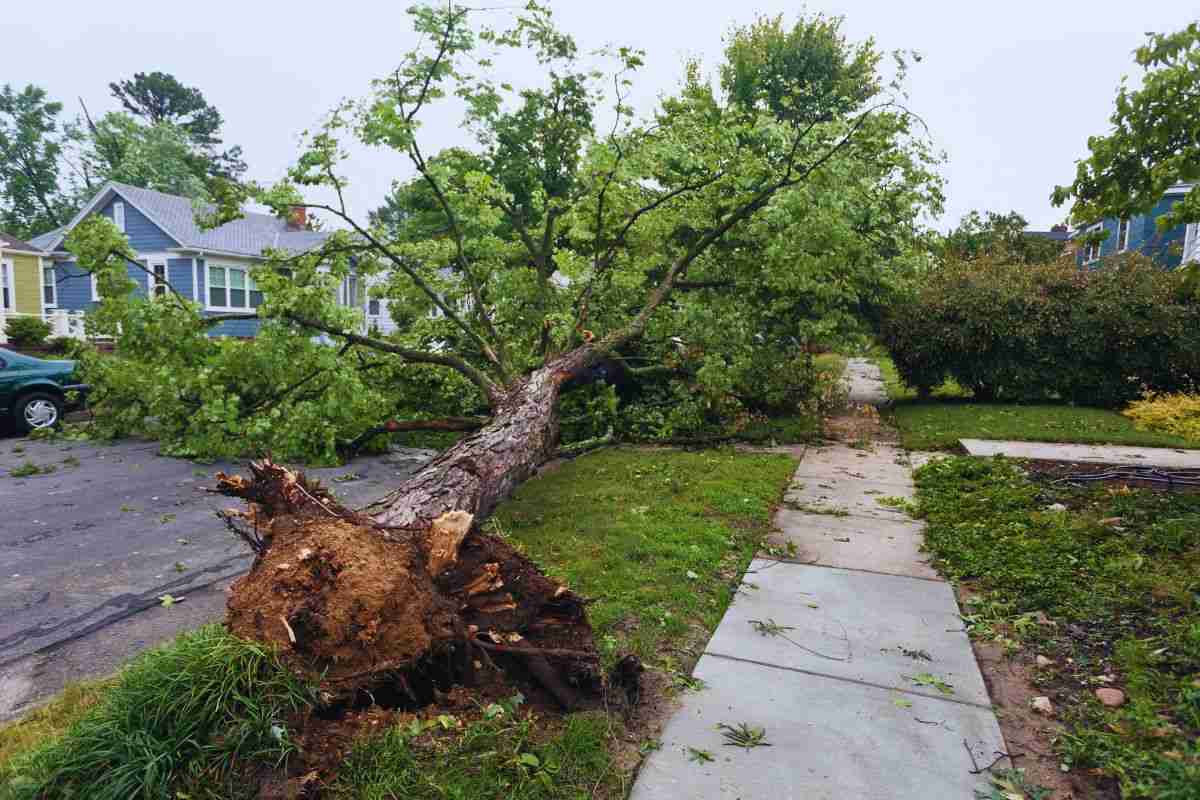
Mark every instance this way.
x=859 y=423
x=1010 y=683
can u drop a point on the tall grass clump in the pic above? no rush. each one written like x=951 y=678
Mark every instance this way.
x=182 y=720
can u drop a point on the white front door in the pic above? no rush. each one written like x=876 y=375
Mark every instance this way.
x=8 y=300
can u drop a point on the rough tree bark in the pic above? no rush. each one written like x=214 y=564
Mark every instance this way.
x=411 y=593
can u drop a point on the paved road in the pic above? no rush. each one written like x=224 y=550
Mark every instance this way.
x=113 y=527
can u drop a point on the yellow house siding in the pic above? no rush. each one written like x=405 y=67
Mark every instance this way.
x=27 y=281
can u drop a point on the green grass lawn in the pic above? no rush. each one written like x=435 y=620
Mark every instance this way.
x=659 y=538
x=938 y=423
x=1115 y=576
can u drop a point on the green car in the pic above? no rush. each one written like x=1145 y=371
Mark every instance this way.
x=34 y=391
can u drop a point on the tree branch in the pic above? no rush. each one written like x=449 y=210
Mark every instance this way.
x=489 y=389
x=416 y=279
x=395 y=426
x=758 y=201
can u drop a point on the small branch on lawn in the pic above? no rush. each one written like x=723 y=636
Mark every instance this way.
x=587 y=445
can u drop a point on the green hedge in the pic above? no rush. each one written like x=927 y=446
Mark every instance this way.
x=1040 y=332
x=26 y=331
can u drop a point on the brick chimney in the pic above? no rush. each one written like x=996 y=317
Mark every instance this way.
x=297 y=218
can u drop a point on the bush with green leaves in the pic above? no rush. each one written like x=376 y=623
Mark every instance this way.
x=65 y=346
x=26 y=331
x=1014 y=332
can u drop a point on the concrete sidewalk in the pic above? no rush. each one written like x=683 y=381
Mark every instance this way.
x=862 y=677
x=1166 y=457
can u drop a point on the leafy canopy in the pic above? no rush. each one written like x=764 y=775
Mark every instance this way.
x=31 y=152
x=754 y=214
x=1154 y=142
x=1002 y=236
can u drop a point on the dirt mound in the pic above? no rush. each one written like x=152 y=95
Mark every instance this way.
x=347 y=603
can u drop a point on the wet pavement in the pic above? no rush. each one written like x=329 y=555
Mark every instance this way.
x=111 y=528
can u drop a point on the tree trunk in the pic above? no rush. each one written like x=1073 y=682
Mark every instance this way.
x=413 y=594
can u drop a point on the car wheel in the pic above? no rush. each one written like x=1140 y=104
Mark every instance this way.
x=38 y=410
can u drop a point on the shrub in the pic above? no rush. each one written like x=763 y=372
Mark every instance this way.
x=65 y=346
x=1047 y=331
x=1177 y=414
x=26 y=331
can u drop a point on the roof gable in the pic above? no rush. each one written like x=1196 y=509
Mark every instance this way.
x=176 y=217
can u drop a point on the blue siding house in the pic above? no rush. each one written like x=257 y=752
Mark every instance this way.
x=1170 y=248
x=211 y=267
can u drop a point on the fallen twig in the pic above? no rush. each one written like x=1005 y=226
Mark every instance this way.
x=579 y=448
x=974 y=763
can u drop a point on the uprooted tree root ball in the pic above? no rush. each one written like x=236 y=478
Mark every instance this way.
x=361 y=606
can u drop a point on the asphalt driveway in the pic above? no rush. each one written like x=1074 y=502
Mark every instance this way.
x=113 y=527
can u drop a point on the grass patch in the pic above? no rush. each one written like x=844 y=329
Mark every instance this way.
x=659 y=537
x=1117 y=574
x=49 y=721
x=938 y=423
x=29 y=469
x=898 y=391
x=507 y=755
x=172 y=722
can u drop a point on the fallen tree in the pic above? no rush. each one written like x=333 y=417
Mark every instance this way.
x=526 y=266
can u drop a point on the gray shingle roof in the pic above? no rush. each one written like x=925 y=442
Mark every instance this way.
x=13 y=243
x=1058 y=236
x=44 y=240
x=250 y=235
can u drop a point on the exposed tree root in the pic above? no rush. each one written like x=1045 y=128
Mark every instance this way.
x=359 y=603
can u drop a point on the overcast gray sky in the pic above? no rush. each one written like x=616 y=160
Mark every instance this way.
x=1010 y=91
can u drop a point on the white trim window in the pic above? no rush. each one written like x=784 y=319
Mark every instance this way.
x=229 y=287
x=1123 y=235
x=49 y=287
x=8 y=300
x=156 y=277
x=1191 y=243
x=1091 y=252
x=95 y=287
x=118 y=216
